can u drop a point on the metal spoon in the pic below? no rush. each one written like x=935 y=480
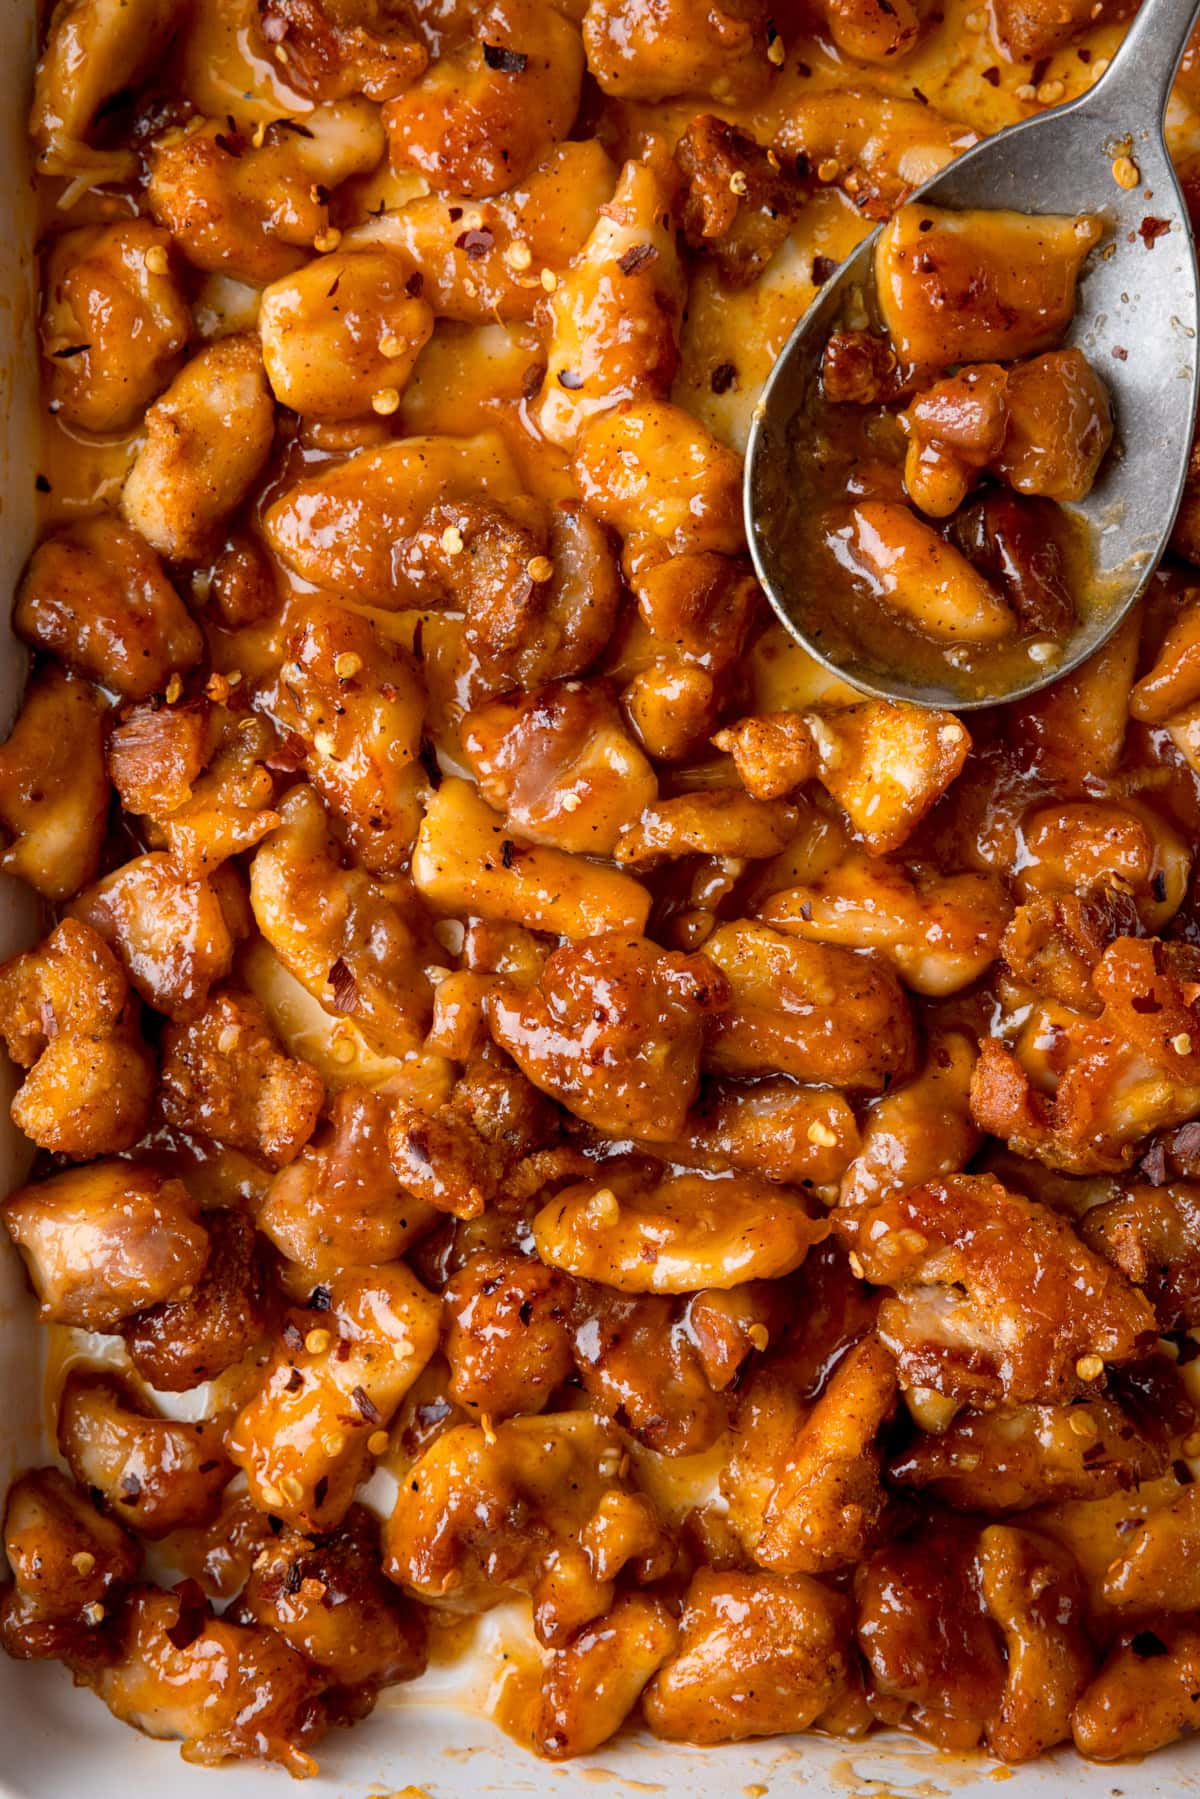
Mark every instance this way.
x=1139 y=298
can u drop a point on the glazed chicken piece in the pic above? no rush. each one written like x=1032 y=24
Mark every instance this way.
x=508 y=1334
x=54 y=792
x=739 y=200
x=537 y=1505
x=230 y=1691
x=103 y=1242
x=459 y=1157
x=649 y=467
x=677 y=47
x=224 y=1076
x=174 y=935
x=614 y=1031
x=181 y=1342
x=343 y=332
x=155 y=1474
x=94 y=50
x=336 y=48
x=1141 y=1699
x=66 y=1015
x=875 y=147
x=919 y=1130
x=69 y=1563
x=590 y=1685
x=775 y=1127
x=95 y=596
x=1152 y=1234
x=996 y=1296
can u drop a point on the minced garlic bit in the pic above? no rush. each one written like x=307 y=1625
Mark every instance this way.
x=819 y=1133
x=1126 y=172
x=1041 y=651
x=385 y=401
x=452 y=540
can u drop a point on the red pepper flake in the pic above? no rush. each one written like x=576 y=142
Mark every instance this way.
x=723 y=377
x=193 y=1615
x=1038 y=73
x=293 y=1336
x=414 y=287
x=506 y=852
x=636 y=257
x=992 y=75
x=366 y=1405
x=232 y=144
x=320 y=1299
x=822 y=268
x=504 y=60
x=535 y=374
x=345 y=987
x=71 y=350
x=476 y=244
x=1120 y=352
x=918 y=95
x=321 y=1492
x=1146 y=1644
x=1151 y=229
x=41 y=483
x=295 y=1381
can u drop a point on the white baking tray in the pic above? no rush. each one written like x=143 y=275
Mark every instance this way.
x=58 y=1742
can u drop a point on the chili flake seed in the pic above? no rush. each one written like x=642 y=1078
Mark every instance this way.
x=334 y=1444
x=1126 y=172
x=549 y=280
x=856 y=1267
x=258 y=136
x=1182 y=1044
x=759 y=1336
x=738 y=183
x=342 y=1047
x=84 y=1562
x=1083 y=1424
x=324 y=744
x=452 y=540
x=391 y=346
x=347 y=665
x=317 y=1342
x=539 y=568
x=271 y=1496
x=378 y=1441
x=571 y=802
x=1051 y=92
x=1042 y=651
x=828 y=170
x=291 y=1489
x=94 y=1613
x=156 y=259
x=385 y=401
x=1026 y=91
x=776 y=52
x=819 y=1133
x=1089 y=1367
x=174 y=689
x=518 y=255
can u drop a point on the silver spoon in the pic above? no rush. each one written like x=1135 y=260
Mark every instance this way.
x=1136 y=321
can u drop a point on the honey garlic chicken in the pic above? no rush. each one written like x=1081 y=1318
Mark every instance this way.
x=540 y=1097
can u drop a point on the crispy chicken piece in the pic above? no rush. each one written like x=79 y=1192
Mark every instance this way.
x=639 y=1358
x=679 y=47
x=458 y=1158
x=224 y=1076
x=342 y=330
x=1141 y=1699
x=1152 y=1234
x=538 y=1506
x=799 y=1135
x=181 y=1342
x=919 y=1130
x=94 y=50
x=54 y=792
x=508 y=1334
x=650 y=467
x=739 y=202
x=174 y=935
x=758 y=1654
x=337 y=48
x=1158 y=1569
x=614 y=1031
x=590 y=1685
x=66 y=1015
x=996 y=1296
x=69 y=1563
x=102 y=1242
x=1054 y=941
x=95 y=596
x=156 y=1474
x=718 y=823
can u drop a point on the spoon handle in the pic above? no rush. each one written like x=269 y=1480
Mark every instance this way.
x=1137 y=85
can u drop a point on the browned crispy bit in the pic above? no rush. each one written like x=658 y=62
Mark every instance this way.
x=179 y=1343
x=458 y=1157
x=225 y=1076
x=739 y=201
x=340 y=47
x=508 y=1339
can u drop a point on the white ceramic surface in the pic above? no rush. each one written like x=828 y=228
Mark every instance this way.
x=57 y=1743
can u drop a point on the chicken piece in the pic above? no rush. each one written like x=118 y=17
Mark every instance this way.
x=639 y=1359
x=480 y=274
x=1055 y=940
x=66 y=1016
x=739 y=202
x=537 y=1506
x=174 y=936
x=940 y=931
x=154 y=1473
x=1093 y=845
x=327 y=1597
x=1028 y=30
x=1172 y=683
x=157 y=753
x=339 y=1205
x=717 y=823
x=1059 y=427
x=801 y=1136
x=488 y=110
x=996 y=1296
x=54 y=792
x=224 y=1076
x=955 y=430
x=825 y=1509
x=356 y=701
x=642 y=1232
x=508 y=1339
x=559 y=765
x=874 y=147
x=230 y=1691
x=94 y=51
x=1152 y=1234
x=919 y=1130
x=342 y=332
x=230 y=805
x=459 y=1158
x=95 y=596
x=614 y=317
x=817 y=1013
x=758 y=1654
x=614 y=1031
x=909 y=568
x=114 y=323
x=70 y=1564
x=872 y=30
x=254 y=211
x=1158 y=1569
x=334 y=1381
x=345 y=529
x=885 y=764
x=181 y=1342
x=337 y=48
x=679 y=47
x=590 y=1685
x=1021 y=1456
x=1075 y=730
x=341 y=933
x=1129 y=1072
x=206 y=442
x=650 y=467
x=102 y=1242
x=1035 y=1597
x=1141 y=1699
x=243 y=590
x=979 y=286
x=465 y=863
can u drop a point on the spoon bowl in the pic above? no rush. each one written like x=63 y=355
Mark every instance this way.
x=1136 y=321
